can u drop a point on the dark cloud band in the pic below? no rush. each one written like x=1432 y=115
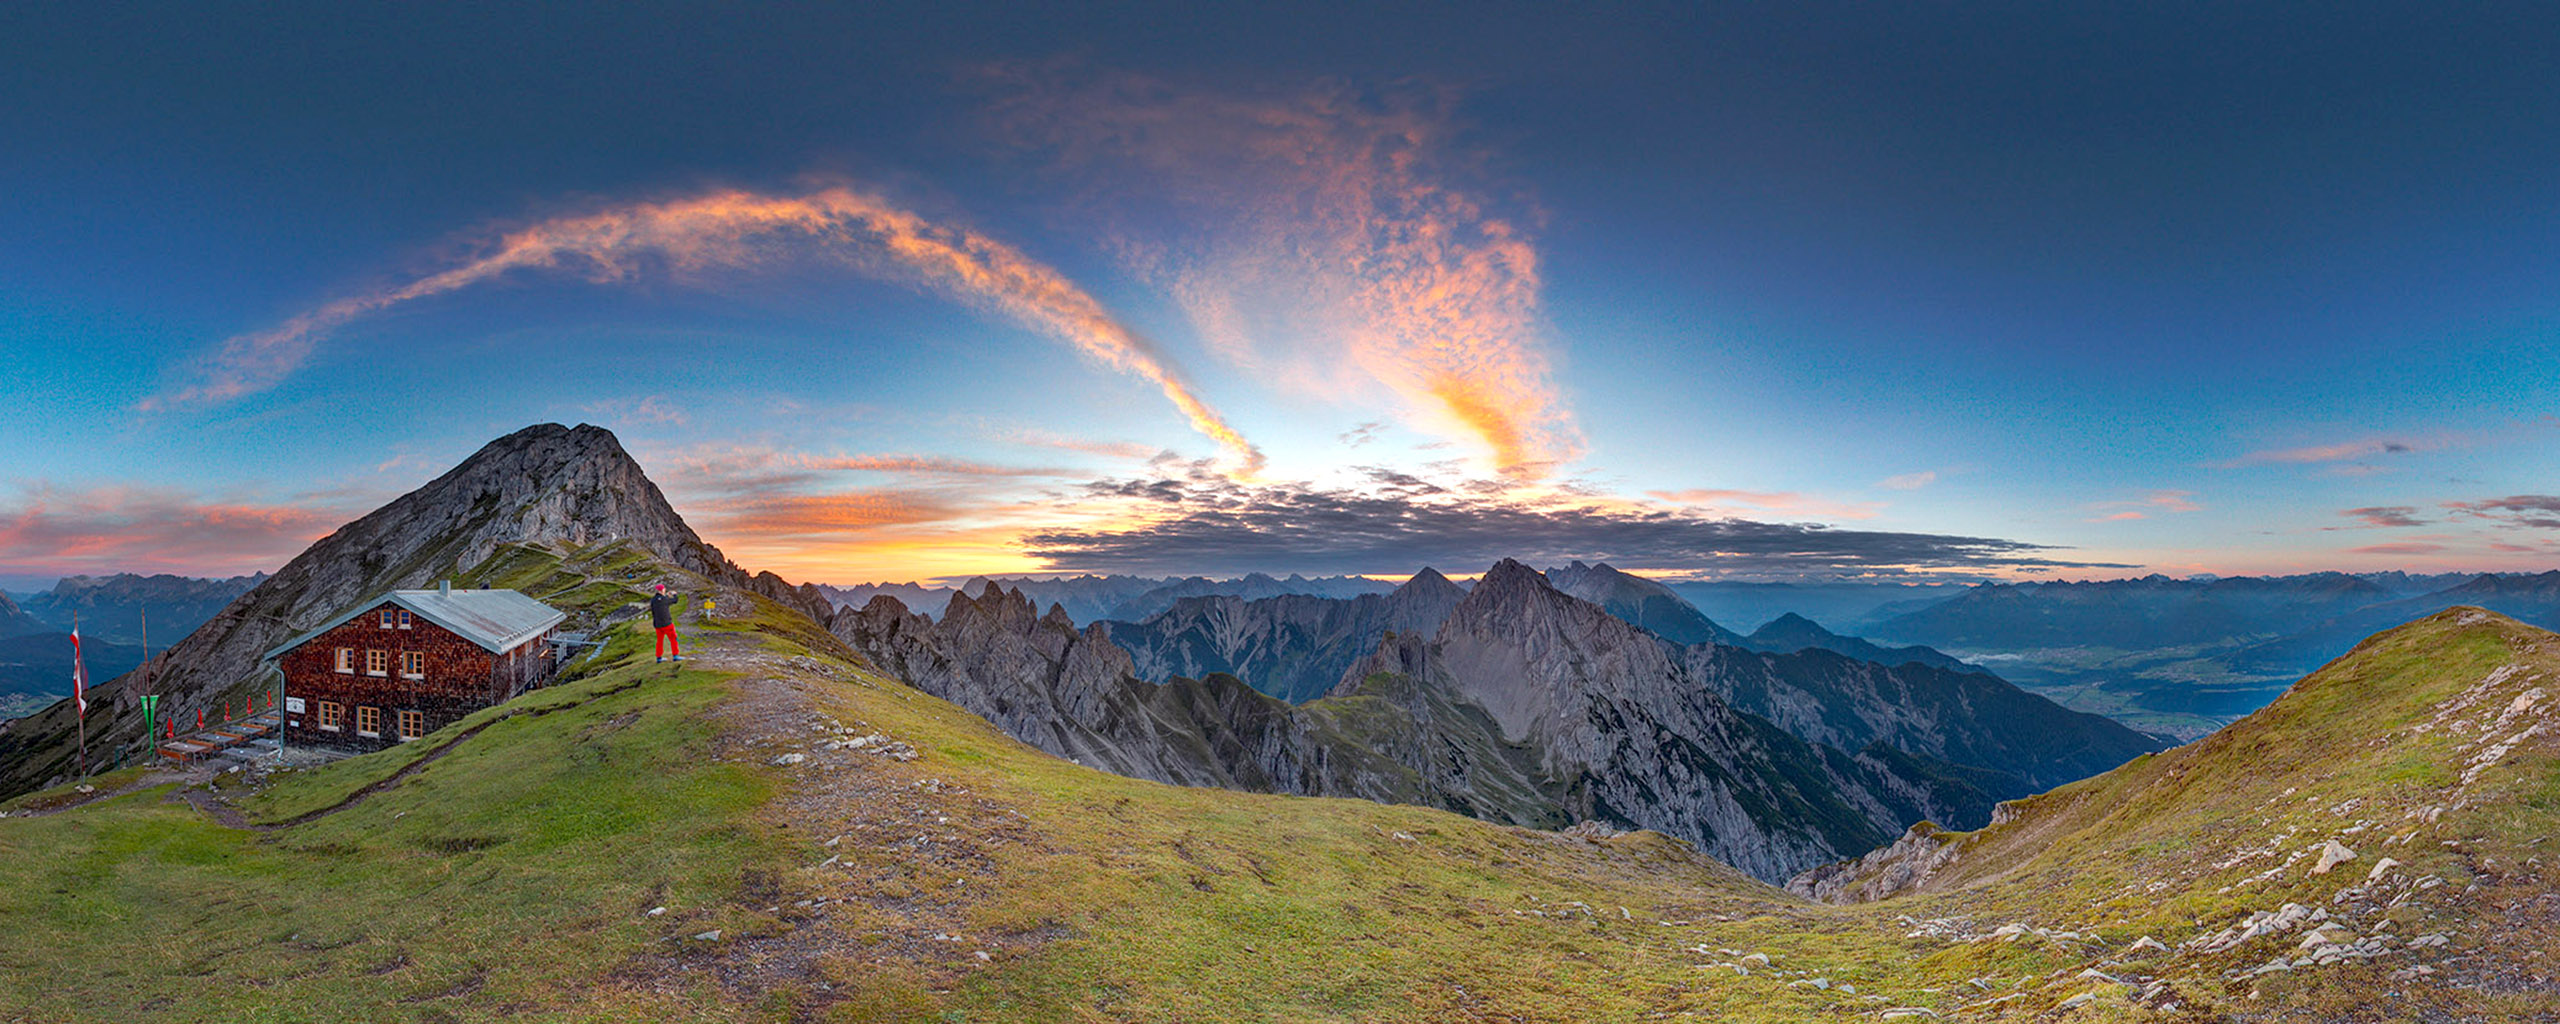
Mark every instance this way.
x=1288 y=529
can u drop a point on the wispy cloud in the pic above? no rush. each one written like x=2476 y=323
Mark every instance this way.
x=2157 y=502
x=144 y=529
x=1337 y=234
x=1786 y=503
x=2386 y=516
x=1218 y=527
x=729 y=469
x=1046 y=439
x=2406 y=548
x=2535 y=511
x=740 y=230
x=1909 y=481
x=647 y=409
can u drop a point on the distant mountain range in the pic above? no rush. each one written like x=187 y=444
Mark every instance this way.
x=1292 y=646
x=1847 y=605
x=1126 y=598
x=117 y=607
x=2187 y=655
x=35 y=642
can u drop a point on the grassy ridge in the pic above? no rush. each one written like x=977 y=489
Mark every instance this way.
x=867 y=852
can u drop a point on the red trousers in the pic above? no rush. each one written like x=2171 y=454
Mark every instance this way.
x=667 y=642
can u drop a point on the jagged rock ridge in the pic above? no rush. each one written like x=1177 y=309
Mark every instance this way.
x=1294 y=646
x=1516 y=702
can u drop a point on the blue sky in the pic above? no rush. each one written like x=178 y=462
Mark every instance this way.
x=1997 y=290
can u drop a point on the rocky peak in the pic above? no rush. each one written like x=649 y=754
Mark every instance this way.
x=1429 y=583
x=546 y=484
x=1792 y=626
x=1510 y=581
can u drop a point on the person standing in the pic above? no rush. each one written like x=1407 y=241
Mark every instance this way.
x=662 y=614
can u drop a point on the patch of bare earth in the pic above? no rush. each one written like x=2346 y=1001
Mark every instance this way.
x=896 y=857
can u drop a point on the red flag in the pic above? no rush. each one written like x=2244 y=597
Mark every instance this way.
x=79 y=675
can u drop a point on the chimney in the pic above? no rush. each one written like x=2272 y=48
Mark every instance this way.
x=444 y=588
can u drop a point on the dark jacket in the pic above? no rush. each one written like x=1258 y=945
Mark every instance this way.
x=662 y=610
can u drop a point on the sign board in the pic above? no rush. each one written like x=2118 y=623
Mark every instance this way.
x=293 y=704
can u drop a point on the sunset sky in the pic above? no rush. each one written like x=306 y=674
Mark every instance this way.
x=1762 y=291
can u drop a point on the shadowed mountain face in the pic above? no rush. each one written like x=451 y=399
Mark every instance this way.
x=1792 y=632
x=15 y=621
x=543 y=484
x=1514 y=702
x=1071 y=692
x=1294 y=647
x=1640 y=601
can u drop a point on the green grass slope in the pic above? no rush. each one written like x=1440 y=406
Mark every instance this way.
x=2428 y=754
x=777 y=833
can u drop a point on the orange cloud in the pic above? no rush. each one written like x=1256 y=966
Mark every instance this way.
x=1340 y=251
x=736 y=229
x=146 y=530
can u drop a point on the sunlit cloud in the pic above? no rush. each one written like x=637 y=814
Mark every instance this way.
x=1786 y=503
x=1338 y=246
x=745 y=230
x=1909 y=481
x=45 y=529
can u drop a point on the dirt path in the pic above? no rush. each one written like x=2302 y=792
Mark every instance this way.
x=148 y=779
x=896 y=857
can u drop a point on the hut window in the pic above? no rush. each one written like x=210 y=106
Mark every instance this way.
x=404 y=618
x=332 y=715
x=368 y=721
x=413 y=664
x=413 y=724
x=386 y=618
x=347 y=660
x=377 y=663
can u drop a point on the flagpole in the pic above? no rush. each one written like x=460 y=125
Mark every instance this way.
x=79 y=698
x=150 y=701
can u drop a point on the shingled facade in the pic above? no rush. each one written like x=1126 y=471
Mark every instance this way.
x=410 y=662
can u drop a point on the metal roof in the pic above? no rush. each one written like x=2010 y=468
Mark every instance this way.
x=497 y=620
